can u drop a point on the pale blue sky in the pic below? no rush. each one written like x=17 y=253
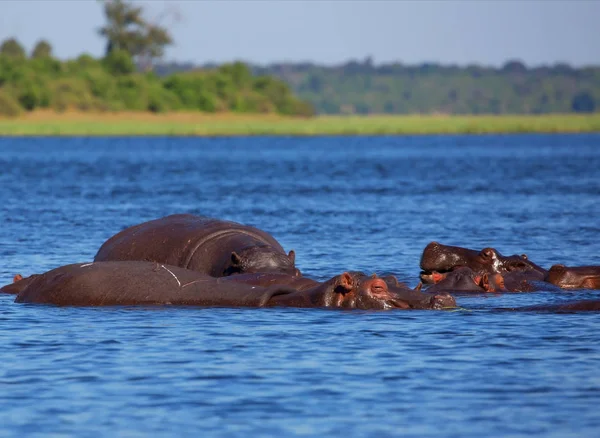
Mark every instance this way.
x=445 y=31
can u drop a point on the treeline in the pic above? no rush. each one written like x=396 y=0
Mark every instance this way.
x=113 y=83
x=364 y=88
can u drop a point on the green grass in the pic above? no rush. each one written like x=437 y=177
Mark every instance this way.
x=198 y=124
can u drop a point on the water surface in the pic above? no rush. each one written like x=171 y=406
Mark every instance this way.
x=342 y=203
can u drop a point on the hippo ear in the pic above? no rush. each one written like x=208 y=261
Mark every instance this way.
x=419 y=286
x=345 y=283
x=485 y=282
x=236 y=260
x=292 y=256
x=17 y=277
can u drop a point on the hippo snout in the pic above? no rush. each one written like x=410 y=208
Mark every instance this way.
x=443 y=301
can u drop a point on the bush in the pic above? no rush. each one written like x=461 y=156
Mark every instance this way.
x=100 y=83
x=161 y=100
x=72 y=94
x=133 y=92
x=9 y=106
x=119 y=62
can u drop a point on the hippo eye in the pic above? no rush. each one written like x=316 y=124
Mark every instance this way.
x=487 y=252
x=516 y=265
x=524 y=256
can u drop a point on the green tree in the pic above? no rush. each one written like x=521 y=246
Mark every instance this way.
x=12 y=48
x=126 y=29
x=123 y=21
x=42 y=49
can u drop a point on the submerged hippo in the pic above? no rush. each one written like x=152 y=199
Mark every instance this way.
x=149 y=283
x=464 y=279
x=444 y=258
x=414 y=298
x=210 y=246
x=566 y=307
x=578 y=277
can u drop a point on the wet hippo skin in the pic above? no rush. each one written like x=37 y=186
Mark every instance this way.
x=578 y=277
x=150 y=283
x=210 y=246
x=444 y=258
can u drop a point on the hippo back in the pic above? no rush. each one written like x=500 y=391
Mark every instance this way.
x=194 y=242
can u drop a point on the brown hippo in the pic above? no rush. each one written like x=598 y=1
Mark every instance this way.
x=150 y=283
x=567 y=307
x=579 y=277
x=413 y=297
x=444 y=258
x=464 y=279
x=210 y=246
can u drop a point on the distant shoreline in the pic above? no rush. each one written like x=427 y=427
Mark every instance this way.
x=49 y=123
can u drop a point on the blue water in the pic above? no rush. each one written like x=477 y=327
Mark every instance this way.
x=369 y=204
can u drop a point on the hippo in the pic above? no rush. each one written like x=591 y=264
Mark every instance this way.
x=118 y=283
x=578 y=277
x=206 y=245
x=566 y=307
x=464 y=279
x=414 y=297
x=520 y=281
x=444 y=258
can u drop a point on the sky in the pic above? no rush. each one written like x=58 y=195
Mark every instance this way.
x=464 y=32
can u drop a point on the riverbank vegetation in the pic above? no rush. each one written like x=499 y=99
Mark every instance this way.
x=124 y=80
x=128 y=91
x=48 y=123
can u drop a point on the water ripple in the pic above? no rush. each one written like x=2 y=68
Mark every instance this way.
x=368 y=203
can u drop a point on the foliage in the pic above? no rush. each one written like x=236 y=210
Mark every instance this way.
x=583 y=102
x=119 y=62
x=112 y=83
x=362 y=88
x=12 y=48
x=9 y=106
x=127 y=30
x=42 y=49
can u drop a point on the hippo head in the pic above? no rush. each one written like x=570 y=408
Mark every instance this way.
x=580 y=277
x=19 y=283
x=262 y=259
x=357 y=291
x=514 y=263
x=443 y=258
x=464 y=279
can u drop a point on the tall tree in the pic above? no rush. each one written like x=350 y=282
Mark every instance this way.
x=12 y=48
x=126 y=29
x=123 y=21
x=42 y=49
